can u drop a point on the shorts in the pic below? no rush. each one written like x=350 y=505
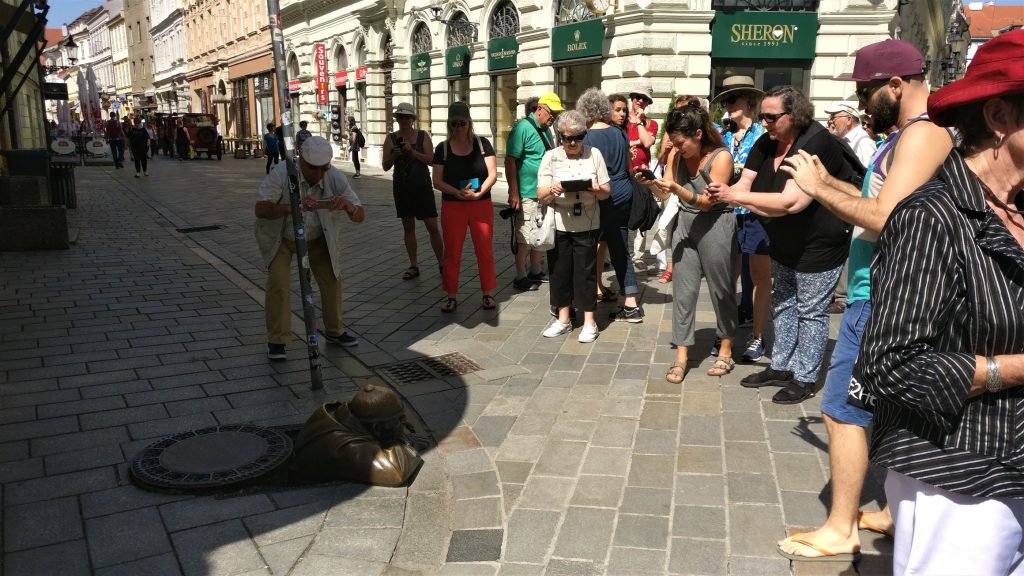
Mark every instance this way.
x=750 y=235
x=411 y=202
x=840 y=369
x=527 y=210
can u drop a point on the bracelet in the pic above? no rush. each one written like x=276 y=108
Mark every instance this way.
x=993 y=378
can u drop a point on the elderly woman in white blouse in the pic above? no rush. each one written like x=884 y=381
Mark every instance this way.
x=572 y=178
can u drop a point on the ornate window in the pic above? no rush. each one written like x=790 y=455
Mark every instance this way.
x=505 y=21
x=570 y=11
x=460 y=31
x=421 y=41
x=765 y=5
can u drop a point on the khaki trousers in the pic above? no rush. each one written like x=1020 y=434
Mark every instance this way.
x=279 y=290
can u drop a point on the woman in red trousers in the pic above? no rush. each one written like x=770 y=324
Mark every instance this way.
x=465 y=169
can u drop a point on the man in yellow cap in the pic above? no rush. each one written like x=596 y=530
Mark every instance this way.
x=527 y=143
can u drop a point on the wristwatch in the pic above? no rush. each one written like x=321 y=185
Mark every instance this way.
x=993 y=378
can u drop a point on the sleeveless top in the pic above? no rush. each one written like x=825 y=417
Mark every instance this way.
x=410 y=171
x=697 y=183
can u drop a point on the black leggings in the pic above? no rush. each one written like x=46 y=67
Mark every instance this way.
x=355 y=158
x=141 y=162
x=272 y=157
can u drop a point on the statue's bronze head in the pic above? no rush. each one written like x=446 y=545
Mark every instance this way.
x=380 y=410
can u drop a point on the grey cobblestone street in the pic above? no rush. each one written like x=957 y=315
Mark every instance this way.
x=556 y=458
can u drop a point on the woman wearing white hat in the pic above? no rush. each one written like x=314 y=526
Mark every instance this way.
x=409 y=151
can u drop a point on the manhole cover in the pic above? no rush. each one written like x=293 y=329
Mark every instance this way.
x=219 y=456
x=199 y=229
x=452 y=364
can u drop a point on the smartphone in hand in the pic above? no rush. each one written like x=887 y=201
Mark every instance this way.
x=647 y=174
x=324 y=204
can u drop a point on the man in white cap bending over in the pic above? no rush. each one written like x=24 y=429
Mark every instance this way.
x=326 y=196
x=844 y=121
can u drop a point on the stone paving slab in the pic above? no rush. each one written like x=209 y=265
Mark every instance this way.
x=556 y=458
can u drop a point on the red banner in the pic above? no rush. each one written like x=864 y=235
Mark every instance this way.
x=294 y=86
x=320 y=58
x=361 y=74
x=340 y=79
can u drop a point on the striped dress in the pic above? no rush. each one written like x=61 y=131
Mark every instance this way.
x=947 y=284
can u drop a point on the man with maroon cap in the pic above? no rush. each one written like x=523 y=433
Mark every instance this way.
x=891 y=87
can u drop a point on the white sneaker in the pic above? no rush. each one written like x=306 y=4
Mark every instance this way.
x=146 y=174
x=588 y=333
x=557 y=329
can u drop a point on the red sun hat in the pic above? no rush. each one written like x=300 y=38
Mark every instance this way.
x=997 y=70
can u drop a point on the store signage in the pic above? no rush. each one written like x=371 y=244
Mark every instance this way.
x=340 y=79
x=420 y=66
x=502 y=53
x=320 y=59
x=580 y=40
x=263 y=85
x=361 y=74
x=294 y=86
x=765 y=35
x=55 y=91
x=456 y=61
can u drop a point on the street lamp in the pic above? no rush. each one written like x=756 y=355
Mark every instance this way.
x=435 y=15
x=72 y=52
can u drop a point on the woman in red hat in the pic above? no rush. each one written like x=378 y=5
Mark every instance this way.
x=944 y=350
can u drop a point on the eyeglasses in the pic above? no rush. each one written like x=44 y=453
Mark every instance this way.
x=771 y=118
x=570 y=139
x=729 y=100
x=864 y=93
x=832 y=119
x=404 y=116
x=457 y=123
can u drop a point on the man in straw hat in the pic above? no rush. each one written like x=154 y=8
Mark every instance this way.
x=326 y=194
x=891 y=87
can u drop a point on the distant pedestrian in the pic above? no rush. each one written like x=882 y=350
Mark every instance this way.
x=281 y=150
x=270 y=146
x=154 y=140
x=138 y=140
x=356 y=142
x=302 y=134
x=410 y=152
x=182 y=141
x=115 y=138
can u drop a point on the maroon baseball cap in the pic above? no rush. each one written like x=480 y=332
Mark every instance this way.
x=883 y=60
x=997 y=70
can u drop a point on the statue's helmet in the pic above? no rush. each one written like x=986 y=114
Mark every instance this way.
x=373 y=404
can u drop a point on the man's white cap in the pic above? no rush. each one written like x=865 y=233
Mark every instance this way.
x=316 y=151
x=844 y=107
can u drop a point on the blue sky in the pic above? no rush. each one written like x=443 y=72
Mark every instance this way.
x=65 y=11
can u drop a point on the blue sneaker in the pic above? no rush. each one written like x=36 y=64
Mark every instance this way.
x=754 y=351
x=276 y=352
x=345 y=339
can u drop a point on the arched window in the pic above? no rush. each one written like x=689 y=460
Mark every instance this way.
x=421 y=41
x=293 y=67
x=570 y=11
x=460 y=31
x=340 y=59
x=504 y=21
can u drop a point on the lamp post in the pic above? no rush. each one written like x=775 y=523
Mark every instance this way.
x=72 y=54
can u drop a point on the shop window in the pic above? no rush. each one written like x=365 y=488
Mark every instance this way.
x=458 y=90
x=572 y=81
x=503 y=95
x=421 y=102
x=765 y=77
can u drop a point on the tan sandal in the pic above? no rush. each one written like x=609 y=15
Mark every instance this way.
x=722 y=366
x=675 y=373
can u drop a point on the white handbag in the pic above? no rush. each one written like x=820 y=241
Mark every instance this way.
x=542 y=230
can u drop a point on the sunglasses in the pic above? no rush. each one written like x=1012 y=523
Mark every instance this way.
x=832 y=120
x=458 y=123
x=729 y=100
x=864 y=93
x=570 y=139
x=771 y=118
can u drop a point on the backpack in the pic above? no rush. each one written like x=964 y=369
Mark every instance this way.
x=643 y=212
x=360 y=139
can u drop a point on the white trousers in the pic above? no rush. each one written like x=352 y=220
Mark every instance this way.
x=943 y=533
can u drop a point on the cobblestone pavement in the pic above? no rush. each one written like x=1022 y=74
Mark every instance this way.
x=554 y=458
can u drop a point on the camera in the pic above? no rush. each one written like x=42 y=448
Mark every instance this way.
x=507 y=213
x=400 y=143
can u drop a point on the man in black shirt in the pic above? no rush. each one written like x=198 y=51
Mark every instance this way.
x=809 y=244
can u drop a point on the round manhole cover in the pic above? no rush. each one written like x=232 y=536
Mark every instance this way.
x=215 y=457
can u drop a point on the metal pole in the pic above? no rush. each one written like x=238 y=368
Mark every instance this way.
x=308 y=314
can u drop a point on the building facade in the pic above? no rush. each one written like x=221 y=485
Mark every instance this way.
x=231 y=65
x=121 y=100
x=497 y=53
x=141 y=61
x=168 y=32
x=24 y=123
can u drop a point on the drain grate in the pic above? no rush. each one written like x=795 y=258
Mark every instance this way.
x=452 y=364
x=199 y=229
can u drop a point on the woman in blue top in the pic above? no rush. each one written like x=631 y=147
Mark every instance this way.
x=611 y=141
x=740 y=99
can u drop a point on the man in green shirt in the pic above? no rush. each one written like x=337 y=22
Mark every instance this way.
x=527 y=143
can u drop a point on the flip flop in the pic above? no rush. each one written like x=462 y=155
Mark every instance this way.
x=449 y=305
x=489 y=303
x=825 y=554
x=867 y=525
x=411 y=273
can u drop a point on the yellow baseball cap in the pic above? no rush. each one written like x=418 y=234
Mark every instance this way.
x=552 y=101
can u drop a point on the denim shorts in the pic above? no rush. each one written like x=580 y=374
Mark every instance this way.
x=751 y=237
x=840 y=370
